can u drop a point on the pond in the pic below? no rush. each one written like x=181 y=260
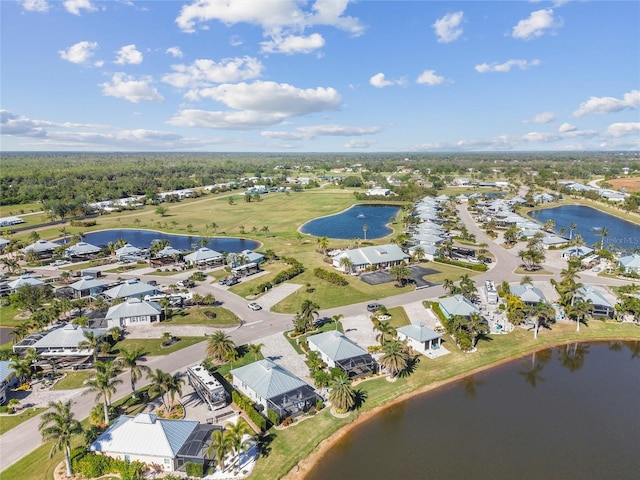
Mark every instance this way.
x=622 y=235
x=144 y=239
x=360 y=221
x=568 y=412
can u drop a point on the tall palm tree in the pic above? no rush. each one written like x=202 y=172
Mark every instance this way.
x=104 y=383
x=304 y=319
x=159 y=385
x=580 y=309
x=21 y=368
x=341 y=393
x=219 y=344
x=236 y=433
x=572 y=227
x=346 y=264
x=418 y=254
x=91 y=342
x=395 y=357
x=401 y=273
x=543 y=313
x=476 y=325
x=129 y=359
x=255 y=348
x=174 y=385
x=221 y=444
x=386 y=332
x=336 y=319
x=603 y=233
x=58 y=424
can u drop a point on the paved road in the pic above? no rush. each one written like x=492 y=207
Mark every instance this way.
x=24 y=438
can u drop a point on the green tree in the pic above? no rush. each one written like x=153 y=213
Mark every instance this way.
x=341 y=394
x=256 y=349
x=221 y=445
x=395 y=357
x=336 y=319
x=237 y=434
x=59 y=425
x=174 y=384
x=401 y=273
x=91 y=342
x=303 y=321
x=346 y=264
x=129 y=359
x=418 y=254
x=162 y=211
x=160 y=382
x=31 y=297
x=105 y=383
x=219 y=345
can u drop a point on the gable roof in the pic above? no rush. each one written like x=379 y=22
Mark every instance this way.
x=336 y=346
x=82 y=248
x=145 y=434
x=267 y=378
x=421 y=333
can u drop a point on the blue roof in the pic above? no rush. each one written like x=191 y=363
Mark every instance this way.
x=267 y=378
x=5 y=370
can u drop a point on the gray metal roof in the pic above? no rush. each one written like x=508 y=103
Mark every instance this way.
x=5 y=370
x=336 y=346
x=595 y=297
x=82 y=248
x=202 y=254
x=25 y=280
x=87 y=283
x=421 y=333
x=267 y=378
x=528 y=293
x=630 y=261
x=40 y=246
x=145 y=434
x=68 y=336
x=458 y=305
x=130 y=288
x=133 y=307
x=375 y=255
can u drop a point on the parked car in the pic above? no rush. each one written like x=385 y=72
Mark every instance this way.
x=59 y=263
x=186 y=283
x=374 y=307
x=254 y=306
x=318 y=322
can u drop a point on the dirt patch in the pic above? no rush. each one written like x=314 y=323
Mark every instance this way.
x=630 y=184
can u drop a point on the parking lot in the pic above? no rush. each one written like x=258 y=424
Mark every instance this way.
x=417 y=277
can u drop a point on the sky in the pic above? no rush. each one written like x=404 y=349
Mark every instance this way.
x=319 y=75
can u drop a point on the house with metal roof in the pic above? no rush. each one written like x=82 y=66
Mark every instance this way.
x=529 y=294
x=337 y=350
x=378 y=256
x=25 y=280
x=457 y=305
x=7 y=379
x=87 y=287
x=82 y=250
x=630 y=263
x=600 y=306
x=203 y=256
x=576 y=251
x=133 y=312
x=42 y=247
x=130 y=288
x=129 y=252
x=152 y=440
x=274 y=388
x=420 y=337
x=63 y=342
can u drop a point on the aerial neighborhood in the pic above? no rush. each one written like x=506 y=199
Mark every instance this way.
x=202 y=331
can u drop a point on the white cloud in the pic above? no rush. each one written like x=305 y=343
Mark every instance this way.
x=544 y=117
x=617 y=130
x=608 y=104
x=379 y=81
x=125 y=86
x=269 y=15
x=429 y=77
x=359 y=143
x=448 y=28
x=506 y=66
x=36 y=5
x=534 y=26
x=310 y=132
x=293 y=44
x=81 y=52
x=76 y=6
x=257 y=104
x=567 y=127
x=204 y=72
x=129 y=55
x=175 y=52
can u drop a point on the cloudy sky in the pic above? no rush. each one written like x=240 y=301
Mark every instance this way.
x=319 y=75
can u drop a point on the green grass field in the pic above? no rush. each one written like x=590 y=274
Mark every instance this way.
x=153 y=347
x=196 y=316
x=7 y=422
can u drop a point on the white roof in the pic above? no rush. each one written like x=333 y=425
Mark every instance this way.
x=82 y=248
x=528 y=293
x=25 y=280
x=128 y=249
x=68 y=336
x=133 y=307
x=421 y=333
x=145 y=434
x=375 y=255
x=630 y=261
x=458 y=305
x=87 y=283
x=41 y=246
x=336 y=346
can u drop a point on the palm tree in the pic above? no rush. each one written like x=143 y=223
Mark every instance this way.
x=580 y=309
x=255 y=348
x=341 y=393
x=572 y=227
x=395 y=357
x=22 y=369
x=603 y=233
x=91 y=342
x=418 y=254
x=174 y=385
x=323 y=243
x=159 y=384
x=543 y=313
x=59 y=425
x=236 y=433
x=304 y=319
x=365 y=227
x=449 y=286
x=401 y=273
x=385 y=331
x=104 y=383
x=526 y=279
x=129 y=359
x=336 y=319
x=476 y=325
x=221 y=444
x=346 y=264
x=549 y=225
x=219 y=345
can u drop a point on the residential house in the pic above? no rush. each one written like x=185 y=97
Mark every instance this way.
x=134 y=312
x=82 y=250
x=601 y=307
x=337 y=350
x=420 y=337
x=87 y=286
x=576 y=251
x=529 y=294
x=130 y=288
x=129 y=252
x=204 y=256
x=152 y=440
x=630 y=263
x=457 y=305
x=7 y=379
x=24 y=280
x=62 y=342
x=42 y=248
x=381 y=256
x=274 y=388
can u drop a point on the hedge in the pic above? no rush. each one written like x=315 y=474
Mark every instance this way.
x=478 y=267
x=247 y=405
x=194 y=469
x=294 y=270
x=92 y=466
x=331 y=277
x=273 y=417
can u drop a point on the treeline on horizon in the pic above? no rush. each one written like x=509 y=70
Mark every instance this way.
x=80 y=178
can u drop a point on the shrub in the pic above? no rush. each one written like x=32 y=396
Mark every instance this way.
x=4 y=409
x=262 y=287
x=294 y=270
x=273 y=417
x=247 y=405
x=194 y=469
x=478 y=267
x=331 y=277
x=287 y=421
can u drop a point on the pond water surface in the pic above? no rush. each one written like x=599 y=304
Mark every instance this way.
x=622 y=235
x=565 y=413
x=351 y=223
x=144 y=239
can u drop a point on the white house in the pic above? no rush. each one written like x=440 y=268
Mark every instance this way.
x=24 y=280
x=457 y=305
x=133 y=312
x=131 y=288
x=64 y=341
x=41 y=247
x=381 y=256
x=337 y=350
x=152 y=440
x=203 y=256
x=529 y=294
x=630 y=263
x=419 y=337
x=576 y=251
x=268 y=384
x=87 y=286
x=82 y=249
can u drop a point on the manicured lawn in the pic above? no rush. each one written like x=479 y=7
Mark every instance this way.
x=73 y=380
x=7 y=422
x=8 y=316
x=153 y=347
x=399 y=317
x=323 y=328
x=196 y=316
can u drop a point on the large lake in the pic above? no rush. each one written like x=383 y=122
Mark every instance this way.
x=350 y=223
x=565 y=413
x=622 y=235
x=144 y=239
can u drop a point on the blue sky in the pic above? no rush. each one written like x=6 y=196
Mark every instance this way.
x=319 y=76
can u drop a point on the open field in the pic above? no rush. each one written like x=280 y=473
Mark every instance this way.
x=631 y=184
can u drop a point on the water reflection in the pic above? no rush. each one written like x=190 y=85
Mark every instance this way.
x=470 y=385
x=572 y=356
